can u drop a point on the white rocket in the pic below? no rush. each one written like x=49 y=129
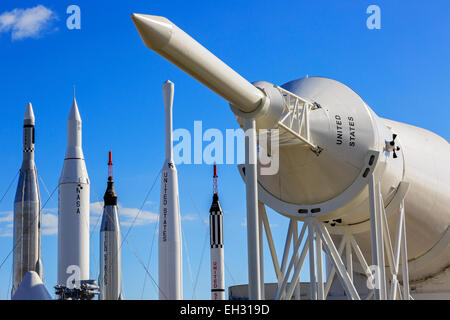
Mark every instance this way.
x=216 y=241
x=27 y=210
x=328 y=167
x=73 y=209
x=169 y=241
x=110 y=281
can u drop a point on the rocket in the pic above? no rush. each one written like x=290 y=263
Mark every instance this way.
x=216 y=240
x=27 y=210
x=328 y=170
x=169 y=240
x=110 y=246
x=73 y=209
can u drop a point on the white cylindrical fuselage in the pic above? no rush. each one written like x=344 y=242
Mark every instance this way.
x=27 y=208
x=73 y=209
x=217 y=254
x=169 y=240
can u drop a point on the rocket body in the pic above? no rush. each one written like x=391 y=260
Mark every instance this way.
x=217 y=255
x=110 y=247
x=169 y=241
x=27 y=206
x=73 y=209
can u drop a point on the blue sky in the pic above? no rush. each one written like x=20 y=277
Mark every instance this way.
x=401 y=71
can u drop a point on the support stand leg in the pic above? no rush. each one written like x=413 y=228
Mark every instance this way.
x=254 y=282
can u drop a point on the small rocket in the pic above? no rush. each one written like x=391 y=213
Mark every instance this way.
x=110 y=246
x=169 y=241
x=27 y=210
x=217 y=257
x=73 y=209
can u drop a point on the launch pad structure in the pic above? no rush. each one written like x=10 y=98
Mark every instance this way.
x=318 y=240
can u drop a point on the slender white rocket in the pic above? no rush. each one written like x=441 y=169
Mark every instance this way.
x=169 y=241
x=73 y=209
x=27 y=208
x=110 y=281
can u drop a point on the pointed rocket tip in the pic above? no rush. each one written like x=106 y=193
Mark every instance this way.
x=168 y=85
x=29 y=114
x=74 y=113
x=155 y=31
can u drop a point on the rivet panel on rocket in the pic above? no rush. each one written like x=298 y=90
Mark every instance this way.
x=27 y=209
x=73 y=209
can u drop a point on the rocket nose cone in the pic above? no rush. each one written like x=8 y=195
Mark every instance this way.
x=155 y=31
x=74 y=113
x=29 y=114
x=168 y=92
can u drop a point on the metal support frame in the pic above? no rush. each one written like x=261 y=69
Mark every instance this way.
x=381 y=241
x=295 y=123
x=295 y=120
x=314 y=239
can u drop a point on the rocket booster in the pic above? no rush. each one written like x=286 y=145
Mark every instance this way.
x=334 y=184
x=73 y=209
x=110 y=245
x=169 y=241
x=217 y=256
x=27 y=209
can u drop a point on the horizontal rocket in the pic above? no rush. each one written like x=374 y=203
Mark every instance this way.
x=73 y=209
x=333 y=185
x=110 y=281
x=27 y=209
x=169 y=241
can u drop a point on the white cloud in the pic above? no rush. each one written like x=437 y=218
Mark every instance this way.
x=189 y=217
x=96 y=208
x=127 y=216
x=26 y=23
x=6 y=216
x=49 y=224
